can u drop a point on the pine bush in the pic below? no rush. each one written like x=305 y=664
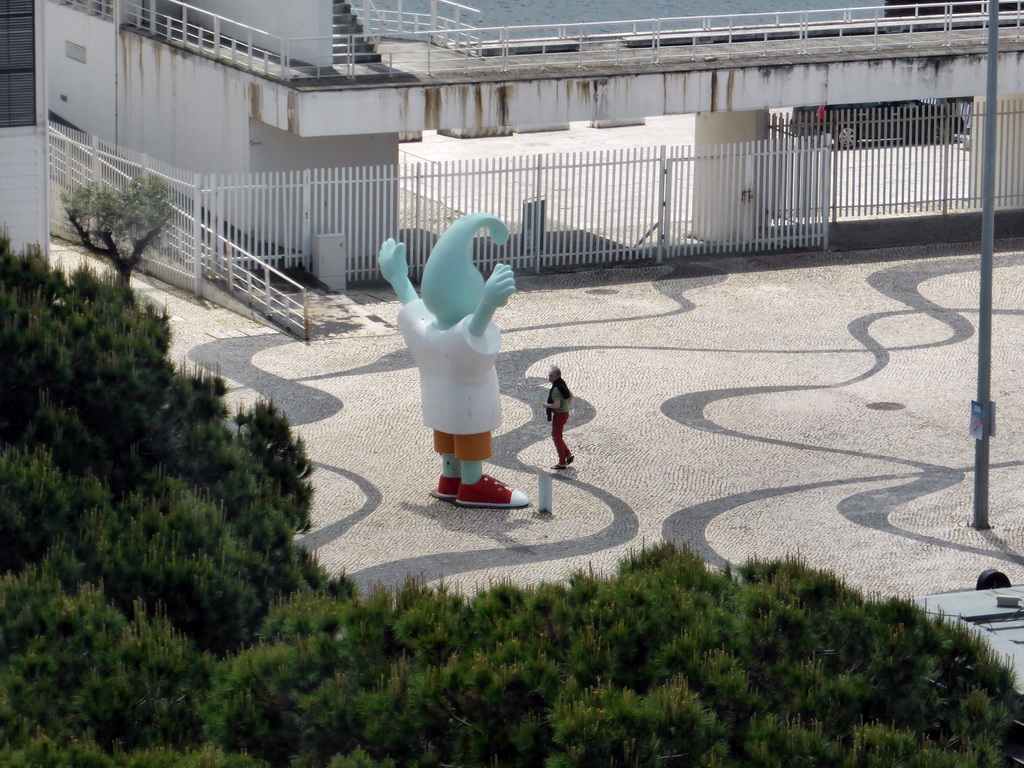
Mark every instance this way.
x=73 y=664
x=38 y=505
x=669 y=663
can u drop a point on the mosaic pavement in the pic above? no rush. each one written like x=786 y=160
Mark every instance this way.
x=813 y=405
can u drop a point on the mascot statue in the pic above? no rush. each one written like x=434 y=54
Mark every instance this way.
x=454 y=343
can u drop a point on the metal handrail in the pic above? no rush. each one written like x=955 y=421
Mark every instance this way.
x=271 y=295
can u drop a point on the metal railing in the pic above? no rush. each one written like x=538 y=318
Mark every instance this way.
x=246 y=275
x=580 y=208
x=188 y=250
x=446 y=21
x=101 y=8
x=211 y=35
x=449 y=46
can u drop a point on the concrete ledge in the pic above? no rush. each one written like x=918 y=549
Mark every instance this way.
x=546 y=128
x=623 y=122
x=476 y=133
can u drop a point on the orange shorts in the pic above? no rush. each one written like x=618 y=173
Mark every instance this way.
x=465 y=447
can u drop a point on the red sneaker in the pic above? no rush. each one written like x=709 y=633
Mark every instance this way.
x=488 y=492
x=447 y=488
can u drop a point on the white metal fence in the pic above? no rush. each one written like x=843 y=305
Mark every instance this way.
x=563 y=210
x=911 y=158
x=571 y=209
x=192 y=247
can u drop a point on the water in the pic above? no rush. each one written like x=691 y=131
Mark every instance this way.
x=499 y=13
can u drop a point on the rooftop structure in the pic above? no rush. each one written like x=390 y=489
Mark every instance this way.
x=230 y=86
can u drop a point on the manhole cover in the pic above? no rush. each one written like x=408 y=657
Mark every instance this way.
x=886 y=406
x=602 y=291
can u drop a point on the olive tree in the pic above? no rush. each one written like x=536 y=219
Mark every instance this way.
x=119 y=225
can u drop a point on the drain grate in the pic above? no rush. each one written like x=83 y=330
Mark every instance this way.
x=601 y=291
x=886 y=406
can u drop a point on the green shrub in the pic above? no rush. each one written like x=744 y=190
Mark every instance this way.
x=668 y=663
x=73 y=664
x=194 y=516
x=182 y=558
x=44 y=752
x=38 y=505
x=358 y=759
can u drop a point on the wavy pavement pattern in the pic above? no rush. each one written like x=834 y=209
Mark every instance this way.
x=305 y=403
x=870 y=508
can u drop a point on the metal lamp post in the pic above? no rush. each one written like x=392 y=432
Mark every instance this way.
x=988 y=182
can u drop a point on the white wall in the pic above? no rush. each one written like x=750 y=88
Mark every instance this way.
x=24 y=204
x=182 y=109
x=23 y=198
x=201 y=116
x=714 y=188
x=275 y=150
x=294 y=18
x=83 y=94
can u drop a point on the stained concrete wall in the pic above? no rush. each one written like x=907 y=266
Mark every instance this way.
x=180 y=108
x=560 y=100
x=213 y=125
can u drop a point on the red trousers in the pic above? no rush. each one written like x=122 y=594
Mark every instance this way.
x=557 y=425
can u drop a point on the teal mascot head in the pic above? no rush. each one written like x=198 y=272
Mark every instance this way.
x=452 y=286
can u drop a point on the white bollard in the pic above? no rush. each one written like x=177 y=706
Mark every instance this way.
x=543 y=492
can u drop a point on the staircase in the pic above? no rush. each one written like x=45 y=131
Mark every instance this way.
x=346 y=23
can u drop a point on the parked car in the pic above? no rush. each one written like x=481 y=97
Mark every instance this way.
x=912 y=121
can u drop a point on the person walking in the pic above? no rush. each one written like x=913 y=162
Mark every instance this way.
x=558 y=407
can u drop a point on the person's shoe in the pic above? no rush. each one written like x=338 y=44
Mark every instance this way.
x=488 y=492
x=447 y=488
x=571 y=459
x=559 y=466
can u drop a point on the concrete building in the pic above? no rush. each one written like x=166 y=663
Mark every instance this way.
x=128 y=71
x=23 y=143
x=196 y=112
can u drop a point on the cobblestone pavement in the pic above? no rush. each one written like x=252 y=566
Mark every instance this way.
x=813 y=405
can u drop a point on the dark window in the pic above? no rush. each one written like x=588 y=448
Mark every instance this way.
x=17 y=63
